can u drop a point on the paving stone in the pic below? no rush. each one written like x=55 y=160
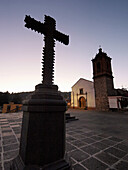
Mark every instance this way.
x=7 y=134
x=8 y=127
x=2 y=118
x=17 y=132
x=94 y=164
x=79 y=136
x=7 y=165
x=16 y=128
x=10 y=154
x=108 y=142
x=6 y=130
x=106 y=158
x=89 y=134
x=86 y=130
x=126 y=158
x=18 y=139
x=10 y=147
x=79 y=131
x=104 y=135
x=115 y=139
x=90 y=149
x=78 y=167
x=122 y=165
x=15 y=125
x=116 y=152
x=69 y=147
x=79 y=143
x=18 y=135
x=3 y=123
x=73 y=162
x=125 y=142
x=0 y=166
x=88 y=140
x=8 y=137
x=100 y=145
x=97 y=138
x=70 y=138
x=9 y=141
x=78 y=155
x=122 y=147
x=71 y=133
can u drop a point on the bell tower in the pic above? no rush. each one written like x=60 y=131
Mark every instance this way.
x=103 y=80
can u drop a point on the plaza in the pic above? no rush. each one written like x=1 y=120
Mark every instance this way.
x=98 y=140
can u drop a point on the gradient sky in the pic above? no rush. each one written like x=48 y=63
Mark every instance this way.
x=89 y=23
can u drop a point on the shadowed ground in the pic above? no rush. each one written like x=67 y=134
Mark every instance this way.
x=98 y=140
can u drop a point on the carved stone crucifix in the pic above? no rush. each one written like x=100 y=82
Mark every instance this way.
x=48 y=28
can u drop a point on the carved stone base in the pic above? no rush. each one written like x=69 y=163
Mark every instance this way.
x=42 y=144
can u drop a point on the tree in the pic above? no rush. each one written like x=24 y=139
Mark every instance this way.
x=16 y=98
x=4 y=98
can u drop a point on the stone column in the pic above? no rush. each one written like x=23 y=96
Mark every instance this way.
x=42 y=145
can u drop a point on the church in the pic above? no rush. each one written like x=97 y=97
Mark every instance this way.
x=83 y=95
x=98 y=94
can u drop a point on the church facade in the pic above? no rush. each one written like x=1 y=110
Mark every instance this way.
x=82 y=95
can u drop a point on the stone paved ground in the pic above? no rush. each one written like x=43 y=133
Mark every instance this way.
x=97 y=141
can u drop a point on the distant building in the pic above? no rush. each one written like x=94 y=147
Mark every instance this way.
x=11 y=107
x=82 y=95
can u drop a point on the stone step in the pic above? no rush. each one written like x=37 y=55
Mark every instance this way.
x=70 y=118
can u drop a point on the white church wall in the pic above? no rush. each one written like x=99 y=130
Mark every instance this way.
x=88 y=87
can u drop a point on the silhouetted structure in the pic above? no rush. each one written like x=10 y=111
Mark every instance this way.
x=103 y=80
x=42 y=143
x=51 y=34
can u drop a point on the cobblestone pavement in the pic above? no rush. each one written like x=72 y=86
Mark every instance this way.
x=97 y=141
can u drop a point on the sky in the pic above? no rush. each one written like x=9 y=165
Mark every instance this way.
x=89 y=23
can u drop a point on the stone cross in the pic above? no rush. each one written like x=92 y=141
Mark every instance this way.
x=48 y=28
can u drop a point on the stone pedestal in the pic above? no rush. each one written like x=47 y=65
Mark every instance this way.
x=42 y=145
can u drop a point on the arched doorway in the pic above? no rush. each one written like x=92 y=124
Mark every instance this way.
x=82 y=102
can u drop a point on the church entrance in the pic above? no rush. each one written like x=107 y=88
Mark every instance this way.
x=82 y=102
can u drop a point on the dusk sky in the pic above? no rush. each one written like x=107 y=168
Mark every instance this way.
x=89 y=23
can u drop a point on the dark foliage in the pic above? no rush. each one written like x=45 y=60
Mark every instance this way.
x=4 y=98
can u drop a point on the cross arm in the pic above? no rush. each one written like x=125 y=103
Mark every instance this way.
x=34 y=25
x=42 y=28
x=61 y=37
